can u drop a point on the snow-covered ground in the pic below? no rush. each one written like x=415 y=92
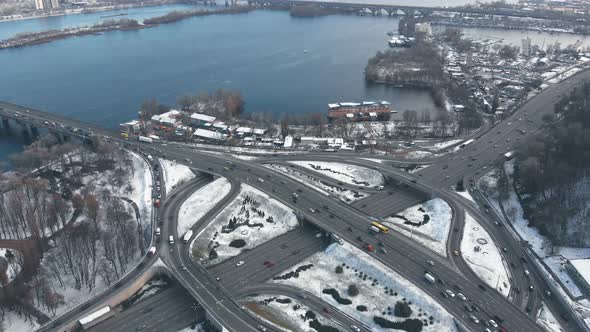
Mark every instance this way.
x=285 y=313
x=12 y=322
x=483 y=256
x=198 y=328
x=418 y=154
x=248 y=221
x=14 y=263
x=418 y=168
x=548 y=321
x=446 y=144
x=175 y=174
x=541 y=245
x=244 y=157
x=466 y=194
x=557 y=265
x=345 y=195
x=351 y=174
x=427 y=223
x=136 y=186
x=379 y=288
x=200 y=202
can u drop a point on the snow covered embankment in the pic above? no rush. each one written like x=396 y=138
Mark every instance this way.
x=200 y=203
x=175 y=174
x=345 y=195
x=427 y=224
x=367 y=290
x=483 y=257
x=286 y=313
x=248 y=221
x=351 y=174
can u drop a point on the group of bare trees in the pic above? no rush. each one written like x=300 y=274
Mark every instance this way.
x=29 y=209
x=225 y=104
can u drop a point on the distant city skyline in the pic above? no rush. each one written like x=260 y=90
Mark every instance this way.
x=46 y=4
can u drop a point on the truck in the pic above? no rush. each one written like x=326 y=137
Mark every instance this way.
x=187 y=236
x=145 y=139
x=430 y=278
x=95 y=318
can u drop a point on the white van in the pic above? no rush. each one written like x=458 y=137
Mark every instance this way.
x=152 y=251
x=171 y=239
x=158 y=231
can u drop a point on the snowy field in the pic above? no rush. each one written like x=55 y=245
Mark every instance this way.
x=175 y=174
x=351 y=174
x=12 y=322
x=248 y=221
x=483 y=257
x=345 y=195
x=548 y=321
x=427 y=224
x=379 y=288
x=418 y=168
x=14 y=262
x=466 y=194
x=200 y=202
x=286 y=313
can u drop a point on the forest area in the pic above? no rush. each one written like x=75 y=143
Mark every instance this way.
x=76 y=208
x=552 y=172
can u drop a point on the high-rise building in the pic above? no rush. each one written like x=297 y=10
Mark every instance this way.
x=526 y=46
x=46 y=4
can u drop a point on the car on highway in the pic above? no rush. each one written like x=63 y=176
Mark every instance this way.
x=531 y=288
x=468 y=308
x=493 y=323
x=183 y=267
x=461 y=297
x=295 y=252
x=455 y=252
x=429 y=262
x=355 y=328
x=449 y=293
x=261 y=328
x=240 y=263
x=218 y=279
x=474 y=319
x=527 y=273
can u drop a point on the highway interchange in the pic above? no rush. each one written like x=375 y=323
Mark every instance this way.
x=221 y=298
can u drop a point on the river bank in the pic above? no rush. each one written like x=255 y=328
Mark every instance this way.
x=29 y=39
x=77 y=11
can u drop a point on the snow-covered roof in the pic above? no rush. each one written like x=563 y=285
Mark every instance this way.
x=132 y=123
x=245 y=130
x=288 y=141
x=372 y=113
x=349 y=115
x=167 y=118
x=583 y=267
x=258 y=131
x=95 y=315
x=202 y=117
x=349 y=104
x=333 y=105
x=220 y=125
x=208 y=134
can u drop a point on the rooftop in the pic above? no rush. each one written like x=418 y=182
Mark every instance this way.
x=583 y=267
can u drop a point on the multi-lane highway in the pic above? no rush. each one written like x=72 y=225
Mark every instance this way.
x=404 y=256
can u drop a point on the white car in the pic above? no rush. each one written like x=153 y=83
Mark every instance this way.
x=461 y=296
x=474 y=319
x=493 y=323
x=240 y=263
x=260 y=180
x=355 y=328
x=449 y=293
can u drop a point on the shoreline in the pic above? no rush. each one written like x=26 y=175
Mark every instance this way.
x=82 y=11
x=45 y=37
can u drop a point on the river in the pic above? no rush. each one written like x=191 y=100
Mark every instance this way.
x=279 y=63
